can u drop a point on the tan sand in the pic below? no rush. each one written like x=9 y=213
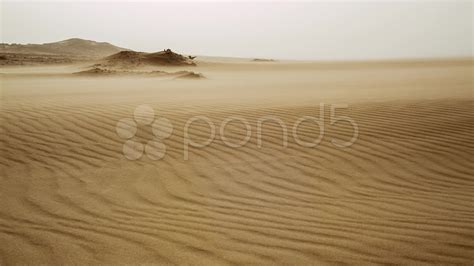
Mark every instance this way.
x=401 y=194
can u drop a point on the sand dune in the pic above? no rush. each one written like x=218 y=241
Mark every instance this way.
x=401 y=194
x=101 y=72
x=126 y=59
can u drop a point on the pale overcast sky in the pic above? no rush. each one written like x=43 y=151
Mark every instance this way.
x=284 y=30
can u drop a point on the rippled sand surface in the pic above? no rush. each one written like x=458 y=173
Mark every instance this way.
x=401 y=194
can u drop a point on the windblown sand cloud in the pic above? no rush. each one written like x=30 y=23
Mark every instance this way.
x=220 y=151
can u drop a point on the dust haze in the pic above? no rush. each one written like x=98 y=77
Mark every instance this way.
x=236 y=134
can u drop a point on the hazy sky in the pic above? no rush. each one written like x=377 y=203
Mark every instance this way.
x=302 y=30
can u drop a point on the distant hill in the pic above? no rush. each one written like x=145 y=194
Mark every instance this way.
x=71 y=47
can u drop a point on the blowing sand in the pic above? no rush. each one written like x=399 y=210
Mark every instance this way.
x=401 y=194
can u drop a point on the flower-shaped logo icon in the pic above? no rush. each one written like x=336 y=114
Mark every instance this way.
x=127 y=128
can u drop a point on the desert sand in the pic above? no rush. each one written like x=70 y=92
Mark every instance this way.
x=402 y=193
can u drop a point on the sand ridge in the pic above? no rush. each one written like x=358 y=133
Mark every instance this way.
x=134 y=59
